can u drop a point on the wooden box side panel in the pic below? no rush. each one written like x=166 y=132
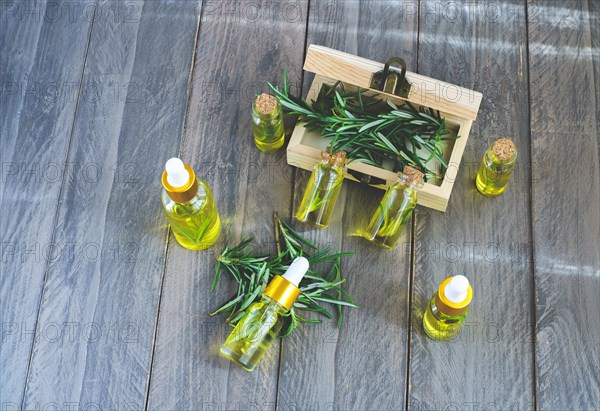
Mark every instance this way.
x=456 y=155
x=425 y=91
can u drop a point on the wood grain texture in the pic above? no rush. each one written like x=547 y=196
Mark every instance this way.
x=566 y=207
x=40 y=71
x=490 y=363
x=95 y=333
x=82 y=231
x=241 y=46
x=363 y=365
x=594 y=18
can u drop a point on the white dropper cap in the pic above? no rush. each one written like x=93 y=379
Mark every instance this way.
x=456 y=290
x=296 y=270
x=177 y=175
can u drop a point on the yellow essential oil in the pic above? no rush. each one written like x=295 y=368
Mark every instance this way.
x=395 y=209
x=257 y=329
x=254 y=333
x=322 y=190
x=497 y=166
x=448 y=308
x=189 y=206
x=267 y=123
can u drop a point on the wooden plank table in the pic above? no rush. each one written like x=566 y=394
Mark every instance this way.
x=100 y=308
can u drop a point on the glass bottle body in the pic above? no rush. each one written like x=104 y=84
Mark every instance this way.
x=393 y=212
x=320 y=196
x=195 y=223
x=439 y=326
x=494 y=174
x=254 y=333
x=268 y=131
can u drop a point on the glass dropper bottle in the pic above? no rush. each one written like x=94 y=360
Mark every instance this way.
x=257 y=329
x=189 y=206
x=448 y=308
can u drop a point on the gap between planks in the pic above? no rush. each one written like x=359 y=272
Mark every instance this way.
x=533 y=311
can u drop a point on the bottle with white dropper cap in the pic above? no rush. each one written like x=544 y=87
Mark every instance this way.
x=189 y=206
x=448 y=308
x=261 y=324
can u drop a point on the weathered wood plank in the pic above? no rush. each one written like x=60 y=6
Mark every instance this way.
x=363 y=365
x=566 y=203
x=40 y=72
x=95 y=333
x=490 y=364
x=594 y=13
x=241 y=46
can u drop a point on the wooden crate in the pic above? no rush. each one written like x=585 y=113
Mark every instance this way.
x=459 y=106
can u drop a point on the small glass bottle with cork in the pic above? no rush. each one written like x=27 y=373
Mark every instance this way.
x=322 y=190
x=267 y=123
x=395 y=209
x=497 y=166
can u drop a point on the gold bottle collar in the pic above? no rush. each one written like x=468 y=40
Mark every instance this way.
x=184 y=193
x=460 y=305
x=282 y=291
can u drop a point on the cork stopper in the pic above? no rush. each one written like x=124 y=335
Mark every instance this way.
x=338 y=159
x=265 y=104
x=504 y=149
x=413 y=174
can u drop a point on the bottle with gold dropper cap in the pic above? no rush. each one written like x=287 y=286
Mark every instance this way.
x=189 y=206
x=261 y=324
x=448 y=308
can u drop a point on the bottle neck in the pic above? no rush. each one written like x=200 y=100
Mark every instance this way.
x=493 y=158
x=447 y=310
x=273 y=302
x=282 y=291
x=409 y=183
x=326 y=165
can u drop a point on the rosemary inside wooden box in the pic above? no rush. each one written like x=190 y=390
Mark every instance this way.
x=426 y=128
x=371 y=130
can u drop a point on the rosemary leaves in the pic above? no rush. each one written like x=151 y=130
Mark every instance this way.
x=371 y=130
x=321 y=286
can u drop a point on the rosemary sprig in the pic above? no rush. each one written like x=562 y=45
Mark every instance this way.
x=321 y=286
x=371 y=130
x=193 y=230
